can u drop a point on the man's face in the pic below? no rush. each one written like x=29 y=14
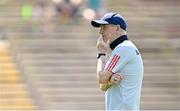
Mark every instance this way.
x=108 y=32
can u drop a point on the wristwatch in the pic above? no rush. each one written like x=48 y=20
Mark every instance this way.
x=100 y=54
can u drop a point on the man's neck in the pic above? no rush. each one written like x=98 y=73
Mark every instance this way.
x=117 y=41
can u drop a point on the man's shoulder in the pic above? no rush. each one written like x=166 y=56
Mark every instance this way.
x=126 y=45
x=127 y=48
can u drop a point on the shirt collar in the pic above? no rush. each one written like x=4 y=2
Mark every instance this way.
x=118 y=41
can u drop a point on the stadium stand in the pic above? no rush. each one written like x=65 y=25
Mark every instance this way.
x=59 y=67
x=13 y=93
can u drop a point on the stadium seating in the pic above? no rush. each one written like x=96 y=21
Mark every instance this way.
x=13 y=93
x=59 y=67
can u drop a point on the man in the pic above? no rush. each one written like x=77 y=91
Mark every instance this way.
x=121 y=75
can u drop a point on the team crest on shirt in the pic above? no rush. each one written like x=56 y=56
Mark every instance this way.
x=137 y=52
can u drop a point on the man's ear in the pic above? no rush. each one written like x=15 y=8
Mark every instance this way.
x=118 y=29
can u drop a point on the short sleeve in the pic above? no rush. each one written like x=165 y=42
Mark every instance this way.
x=118 y=59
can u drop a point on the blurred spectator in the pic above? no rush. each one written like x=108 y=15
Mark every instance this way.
x=95 y=5
x=44 y=13
x=38 y=12
x=26 y=11
x=47 y=21
x=26 y=14
x=38 y=15
x=66 y=10
x=93 y=9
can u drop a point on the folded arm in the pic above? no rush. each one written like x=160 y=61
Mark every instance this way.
x=105 y=77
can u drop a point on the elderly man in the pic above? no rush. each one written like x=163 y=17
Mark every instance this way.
x=121 y=74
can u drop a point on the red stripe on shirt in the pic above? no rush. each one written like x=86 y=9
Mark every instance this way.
x=113 y=62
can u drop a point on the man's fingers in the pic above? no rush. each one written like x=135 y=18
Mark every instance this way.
x=116 y=79
x=108 y=42
x=100 y=39
x=100 y=42
x=116 y=82
x=101 y=45
x=120 y=76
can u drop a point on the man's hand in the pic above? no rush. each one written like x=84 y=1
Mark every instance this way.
x=115 y=78
x=102 y=47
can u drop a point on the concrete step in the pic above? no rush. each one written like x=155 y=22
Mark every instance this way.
x=74 y=89
x=75 y=43
x=145 y=90
x=18 y=94
x=93 y=84
x=148 y=77
x=72 y=78
x=83 y=35
x=74 y=105
x=13 y=96
x=153 y=11
x=74 y=98
x=17 y=107
x=70 y=57
x=12 y=87
x=160 y=97
x=160 y=105
x=152 y=69
x=144 y=46
x=159 y=56
x=32 y=37
x=52 y=36
x=7 y=79
x=161 y=69
x=146 y=53
x=5 y=56
x=73 y=61
x=72 y=44
x=59 y=63
x=65 y=98
x=13 y=72
x=64 y=90
x=57 y=50
x=70 y=90
x=8 y=74
x=7 y=65
x=90 y=33
x=68 y=83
